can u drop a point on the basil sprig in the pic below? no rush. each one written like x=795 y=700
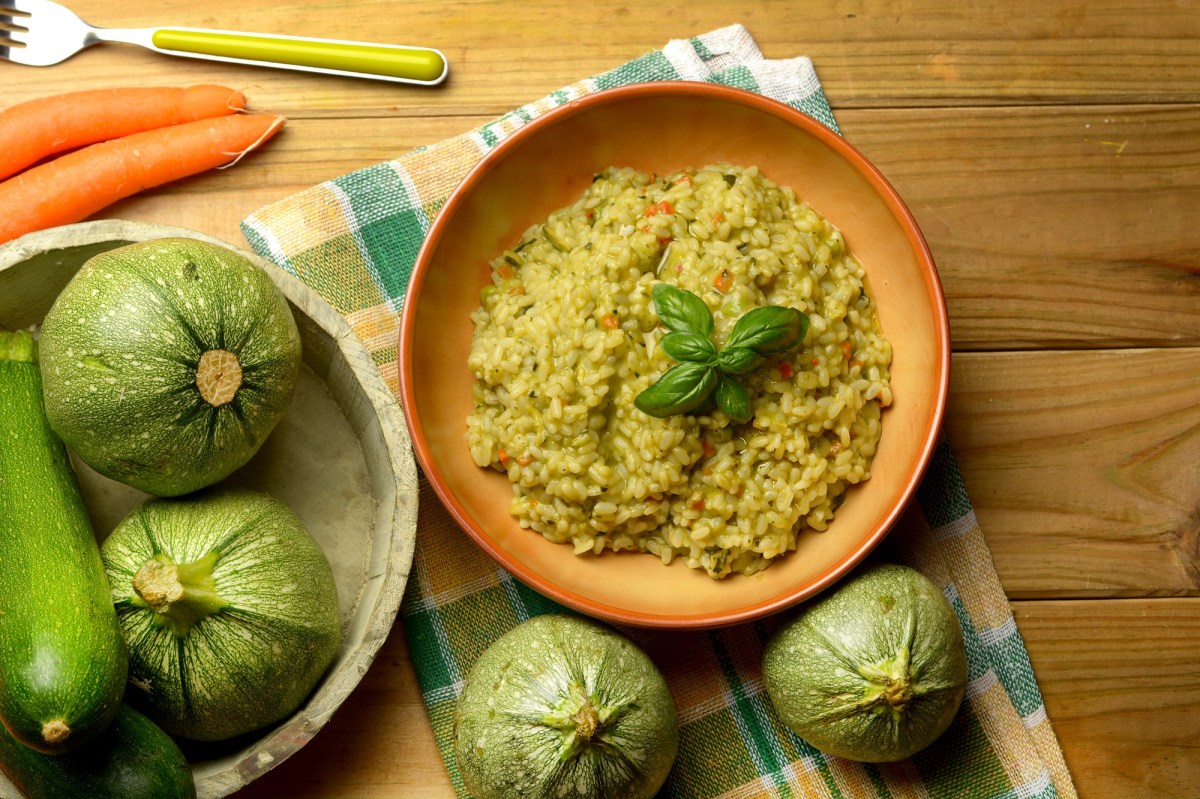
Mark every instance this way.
x=703 y=369
x=681 y=310
x=772 y=328
x=682 y=388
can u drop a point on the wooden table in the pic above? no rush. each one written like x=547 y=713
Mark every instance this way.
x=1051 y=153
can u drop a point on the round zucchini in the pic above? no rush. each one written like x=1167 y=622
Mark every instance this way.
x=132 y=759
x=228 y=606
x=872 y=671
x=62 y=660
x=561 y=707
x=168 y=362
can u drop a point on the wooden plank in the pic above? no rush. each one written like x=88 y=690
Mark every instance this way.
x=1125 y=705
x=868 y=52
x=1083 y=468
x=1051 y=227
x=1125 y=709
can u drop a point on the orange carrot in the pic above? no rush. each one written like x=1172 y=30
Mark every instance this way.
x=40 y=128
x=723 y=282
x=74 y=186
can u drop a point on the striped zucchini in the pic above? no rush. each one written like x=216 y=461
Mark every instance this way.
x=168 y=362
x=229 y=608
x=132 y=759
x=561 y=707
x=63 y=663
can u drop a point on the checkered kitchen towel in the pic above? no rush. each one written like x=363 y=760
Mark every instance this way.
x=354 y=239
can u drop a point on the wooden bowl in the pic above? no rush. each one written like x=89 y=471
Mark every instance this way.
x=340 y=458
x=664 y=127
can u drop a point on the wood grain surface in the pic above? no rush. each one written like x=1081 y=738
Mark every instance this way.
x=1050 y=153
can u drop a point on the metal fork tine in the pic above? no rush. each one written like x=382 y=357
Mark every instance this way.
x=11 y=20
x=39 y=33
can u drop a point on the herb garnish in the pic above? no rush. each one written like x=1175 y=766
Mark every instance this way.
x=702 y=368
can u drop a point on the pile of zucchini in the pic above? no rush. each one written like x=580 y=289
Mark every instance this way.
x=63 y=662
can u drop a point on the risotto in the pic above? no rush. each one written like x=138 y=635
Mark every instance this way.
x=567 y=336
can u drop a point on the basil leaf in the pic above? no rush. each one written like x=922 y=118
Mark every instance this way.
x=689 y=347
x=738 y=360
x=681 y=310
x=733 y=400
x=680 y=389
x=772 y=328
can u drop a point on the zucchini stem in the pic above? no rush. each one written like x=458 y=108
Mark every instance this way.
x=890 y=683
x=218 y=376
x=181 y=595
x=56 y=732
x=579 y=721
x=587 y=721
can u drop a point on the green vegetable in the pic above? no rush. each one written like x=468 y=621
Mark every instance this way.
x=770 y=329
x=681 y=310
x=682 y=388
x=733 y=399
x=561 y=246
x=132 y=759
x=688 y=347
x=167 y=363
x=872 y=671
x=228 y=606
x=62 y=660
x=738 y=360
x=561 y=707
x=762 y=331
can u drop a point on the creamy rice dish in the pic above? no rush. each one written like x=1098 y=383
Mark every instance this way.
x=567 y=336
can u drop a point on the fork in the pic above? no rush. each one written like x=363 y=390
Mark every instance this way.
x=40 y=33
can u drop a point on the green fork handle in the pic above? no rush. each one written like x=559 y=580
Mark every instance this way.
x=358 y=59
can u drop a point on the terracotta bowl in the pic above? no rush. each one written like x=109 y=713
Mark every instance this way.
x=662 y=128
x=340 y=458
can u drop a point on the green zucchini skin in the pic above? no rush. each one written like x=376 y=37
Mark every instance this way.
x=62 y=657
x=562 y=707
x=874 y=670
x=132 y=759
x=255 y=627
x=124 y=349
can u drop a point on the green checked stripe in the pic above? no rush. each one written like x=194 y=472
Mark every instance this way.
x=753 y=721
x=354 y=240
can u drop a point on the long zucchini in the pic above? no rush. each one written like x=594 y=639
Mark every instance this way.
x=132 y=759
x=63 y=663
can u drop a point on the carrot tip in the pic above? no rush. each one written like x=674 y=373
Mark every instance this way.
x=275 y=125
